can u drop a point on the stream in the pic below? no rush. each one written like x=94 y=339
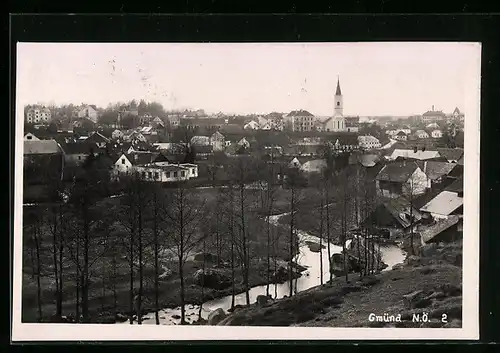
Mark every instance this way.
x=391 y=255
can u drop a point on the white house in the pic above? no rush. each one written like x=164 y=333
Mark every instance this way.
x=436 y=134
x=38 y=115
x=117 y=134
x=294 y=163
x=89 y=112
x=30 y=137
x=314 y=166
x=243 y=142
x=421 y=134
x=401 y=179
x=391 y=132
x=368 y=142
x=252 y=125
x=217 y=141
x=401 y=136
x=444 y=205
x=419 y=154
x=200 y=140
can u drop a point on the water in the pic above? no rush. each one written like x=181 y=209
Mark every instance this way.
x=391 y=255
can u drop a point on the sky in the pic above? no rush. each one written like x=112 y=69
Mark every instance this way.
x=376 y=78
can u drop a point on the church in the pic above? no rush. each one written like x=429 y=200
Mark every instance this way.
x=337 y=122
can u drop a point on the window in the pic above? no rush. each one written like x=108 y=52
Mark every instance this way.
x=167 y=174
x=123 y=160
x=28 y=137
x=192 y=171
x=79 y=158
x=150 y=175
x=175 y=174
x=338 y=104
x=143 y=174
x=183 y=174
x=156 y=175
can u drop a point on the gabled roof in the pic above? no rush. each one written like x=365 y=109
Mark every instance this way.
x=398 y=207
x=436 y=170
x=141 y=158
x=97 y=137
x=300 y=112
x=397 y=172
x=409 y=153
x=401 y=133
x=444 y=203
x=434 y=113
x=451 y=154
x=437 y=228
x=42 y=147
x=457 y=111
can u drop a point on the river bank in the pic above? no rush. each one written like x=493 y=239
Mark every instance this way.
x=431 y=283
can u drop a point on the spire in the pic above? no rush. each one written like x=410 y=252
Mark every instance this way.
x=338 y=92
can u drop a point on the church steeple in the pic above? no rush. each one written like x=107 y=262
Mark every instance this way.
x=338 y=92
x=338 y=101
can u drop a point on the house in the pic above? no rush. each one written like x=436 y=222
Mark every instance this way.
x=252 y=125
x=89 y=112
x=243 y=142
x=457 y=114
x=203 y=151
x=395 y=216
x=401 y=136
x=352 y=123
x=452 y=155
x=117 y=134
x=217 y=141
x=391 y=132
x=368 y=142
x=366 y=160
x=437 y=171
x=30 y=137
x=165 y=172
x=401 y=178
x=413 y=154
x=38 y=114
x=158 y=123
x=43 y=161
x=97 y=138
x=313 y=166
x=76 y=153
x=432 y=126
x=444 y=204
x=406 y=130
x=200 y=140
x=421 y=134
x=295 y=163
x=432 y=116
x=145 y=119
x=299 y=120
x=443 y=231
x=127 y=161
x=436 y=134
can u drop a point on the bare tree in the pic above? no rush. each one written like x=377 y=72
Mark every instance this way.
x=183 y=216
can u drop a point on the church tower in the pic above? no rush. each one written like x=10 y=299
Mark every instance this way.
x=338 y=101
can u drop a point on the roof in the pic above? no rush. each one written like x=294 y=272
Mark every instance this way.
x=444 y=203
x=398 y=172
x=42 y=147
x=451 y=154
x=299 y=113
x=97 y=137
x=401 y=133
x=434 y=113
x=204 y=149
x=436 y=170
x=368 y=160
x=456 y=111
x=397 y=207
x=314 y=164
x=166 y=167
x=409 y=153
x=419 y=132
x=439 y=227
x=141 y=158
x=338 y=92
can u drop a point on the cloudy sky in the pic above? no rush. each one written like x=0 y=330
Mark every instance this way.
x=376 y=78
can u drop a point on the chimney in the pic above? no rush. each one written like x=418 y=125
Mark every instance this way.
x=425 y=167
x=433 y=107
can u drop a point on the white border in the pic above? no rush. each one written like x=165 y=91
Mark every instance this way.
x=93 y=332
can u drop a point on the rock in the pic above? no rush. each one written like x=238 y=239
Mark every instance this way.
x=262 y=299
x=398 y=267
x=315 y=247
x=212 y=278
x=409 y=299
x=216 y=316
x=207 y=257
x=412 y=260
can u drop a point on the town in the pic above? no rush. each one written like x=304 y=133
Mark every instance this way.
x=137 y=214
